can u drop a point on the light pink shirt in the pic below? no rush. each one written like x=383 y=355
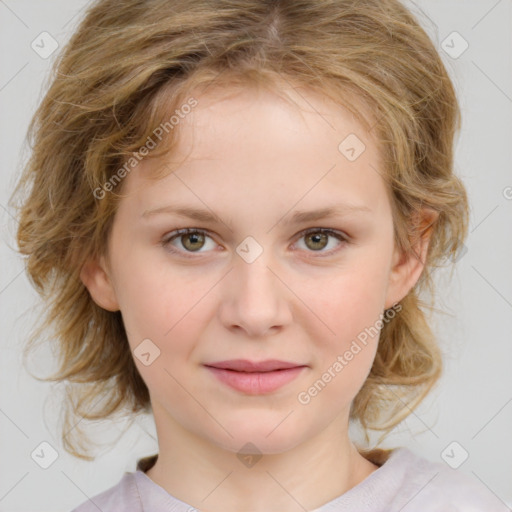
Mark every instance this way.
x=404 y=483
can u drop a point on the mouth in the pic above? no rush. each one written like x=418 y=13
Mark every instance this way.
x=244 y=365
x=255 y=378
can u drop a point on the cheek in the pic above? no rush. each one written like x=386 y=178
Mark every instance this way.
x=171 y=317
x=151 y=297
x=350 y=307
x=344 y=355
x=349 y=302
x=165 y=305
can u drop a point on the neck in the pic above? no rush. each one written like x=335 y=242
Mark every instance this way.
x=214 y=479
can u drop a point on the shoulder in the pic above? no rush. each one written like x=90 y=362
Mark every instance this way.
x=122 y=496
x=433 y=486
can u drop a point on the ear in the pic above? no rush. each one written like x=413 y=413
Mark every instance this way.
x=96 y=278
x=407 y=268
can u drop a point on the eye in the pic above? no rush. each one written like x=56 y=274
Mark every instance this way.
x=192 y=240
x=316 y=239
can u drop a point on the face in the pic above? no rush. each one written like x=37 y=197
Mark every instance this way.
x=256 y=282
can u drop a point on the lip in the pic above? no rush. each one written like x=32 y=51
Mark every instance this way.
x=244 y=365
x=255 y=378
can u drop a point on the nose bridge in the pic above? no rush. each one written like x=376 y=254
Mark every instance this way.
x=256 y=298
x=254 y=278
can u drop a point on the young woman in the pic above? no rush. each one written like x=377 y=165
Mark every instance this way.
x=232 y=210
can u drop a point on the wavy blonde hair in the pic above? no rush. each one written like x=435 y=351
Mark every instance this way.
x=128 y=65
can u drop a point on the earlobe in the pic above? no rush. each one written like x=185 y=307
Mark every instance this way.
x=407 y=268
x=94 y=275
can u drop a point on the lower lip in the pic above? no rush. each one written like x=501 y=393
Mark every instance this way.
x=256 y=383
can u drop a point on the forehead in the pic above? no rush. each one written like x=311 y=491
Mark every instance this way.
x=289 y=144
x=258 y=114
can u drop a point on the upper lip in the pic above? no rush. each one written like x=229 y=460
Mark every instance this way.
x=244 y=365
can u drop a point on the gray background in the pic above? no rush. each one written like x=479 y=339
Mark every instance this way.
x=473 y=404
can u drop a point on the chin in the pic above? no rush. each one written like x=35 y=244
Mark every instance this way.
x=269 y=437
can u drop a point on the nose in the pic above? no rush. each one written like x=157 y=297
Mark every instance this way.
x=254 y=298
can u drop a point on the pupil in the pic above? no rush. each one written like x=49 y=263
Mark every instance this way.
x=194 y=238
x=317 y=238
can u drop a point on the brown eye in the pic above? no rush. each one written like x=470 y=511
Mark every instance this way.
x=187 y=240
x=316 y=241
x=192 y=241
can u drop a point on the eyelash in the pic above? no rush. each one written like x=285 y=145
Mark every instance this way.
x=188 y=254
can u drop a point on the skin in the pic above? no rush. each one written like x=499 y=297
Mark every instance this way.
x=253 y=159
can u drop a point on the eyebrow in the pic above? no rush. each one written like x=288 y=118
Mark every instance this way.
x=298 y=217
